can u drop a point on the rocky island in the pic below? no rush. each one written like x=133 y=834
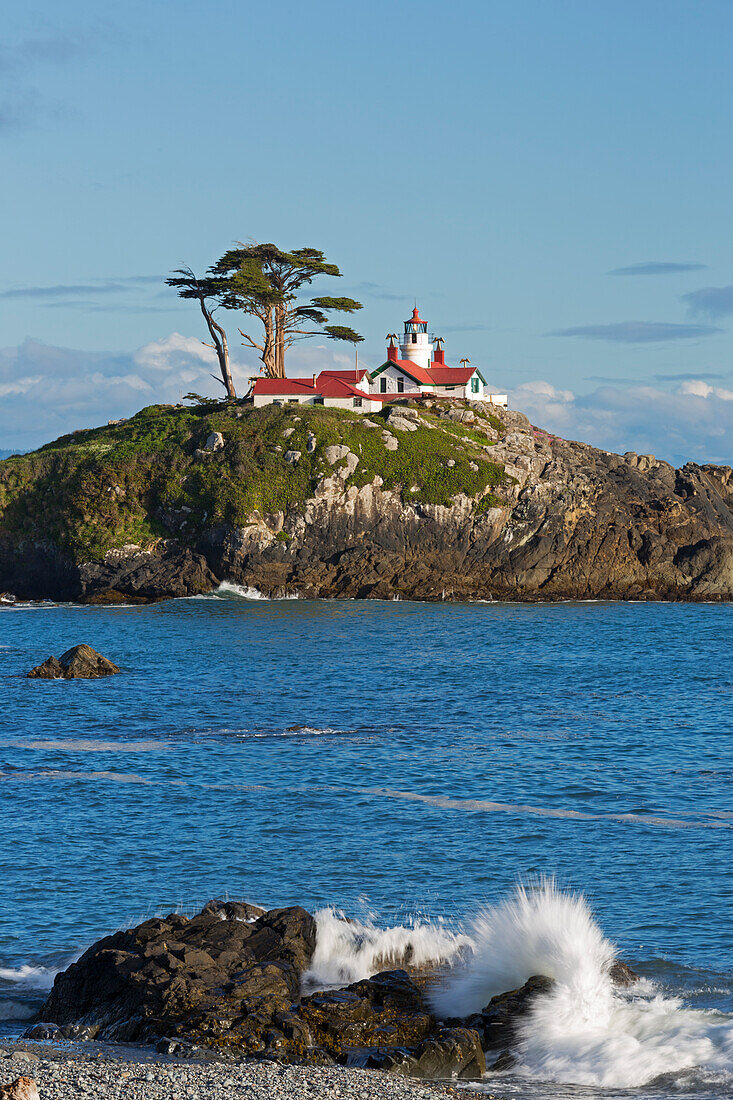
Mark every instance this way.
x=430 y=499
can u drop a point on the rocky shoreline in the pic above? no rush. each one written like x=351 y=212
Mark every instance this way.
x=514 y=514
x=233 y=983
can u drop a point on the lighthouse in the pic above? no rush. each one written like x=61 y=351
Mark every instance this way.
x=415 y=344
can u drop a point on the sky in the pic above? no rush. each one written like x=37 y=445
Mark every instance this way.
x=550 y=182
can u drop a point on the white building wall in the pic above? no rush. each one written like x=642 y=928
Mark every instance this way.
x=391 y=374
x=261 y=399
x=348 y=403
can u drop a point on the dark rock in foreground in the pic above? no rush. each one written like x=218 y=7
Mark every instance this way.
x=229 y=980
x=81 y=662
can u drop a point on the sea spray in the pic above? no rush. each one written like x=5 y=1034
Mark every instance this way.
x=585 y=1030
x=21 y=988
x=349 y=950
x=229 y=591
x=538 y=930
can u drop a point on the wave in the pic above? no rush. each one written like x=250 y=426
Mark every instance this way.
x=30 y=978
x=585 y=1031
x=228 y=590
x=349 y=950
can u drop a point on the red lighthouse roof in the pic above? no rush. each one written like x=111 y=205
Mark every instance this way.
x=416 y=318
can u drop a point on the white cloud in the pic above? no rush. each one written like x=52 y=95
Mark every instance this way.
x=47 y=391
x=698 y=388
x=691 y=423
x=174 y=352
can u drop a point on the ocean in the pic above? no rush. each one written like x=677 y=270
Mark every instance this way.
x=407 y=765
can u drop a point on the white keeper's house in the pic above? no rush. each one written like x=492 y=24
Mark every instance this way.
x=416 y=366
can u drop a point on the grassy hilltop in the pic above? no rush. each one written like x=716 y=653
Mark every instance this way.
x=147 y=478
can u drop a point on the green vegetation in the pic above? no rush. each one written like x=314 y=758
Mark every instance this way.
x=150 y=477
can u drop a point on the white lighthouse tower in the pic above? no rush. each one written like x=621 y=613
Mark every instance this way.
x=415 y=344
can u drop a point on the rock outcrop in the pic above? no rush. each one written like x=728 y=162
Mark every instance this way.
x=562 y=521
x=81 y=662
x=230 y=980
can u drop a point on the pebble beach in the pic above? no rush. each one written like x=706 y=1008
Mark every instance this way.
x=70 y=1072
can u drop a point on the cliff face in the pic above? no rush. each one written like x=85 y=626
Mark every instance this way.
x=421 y=503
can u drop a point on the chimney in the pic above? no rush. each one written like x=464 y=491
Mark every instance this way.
x=392 y=352
x=439 y=358
x=315 y=380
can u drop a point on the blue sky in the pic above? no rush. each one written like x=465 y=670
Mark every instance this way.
x=550 y=180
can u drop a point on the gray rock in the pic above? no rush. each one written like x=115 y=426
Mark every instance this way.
x=215 y=442
x=349 y=466
x=369 y=423
x=311 y=443
x=292 y=457
x=451 y=462
x=389 y=441
x=335 y=452
x=288 y=432
x=462 y=416
x=401 y=423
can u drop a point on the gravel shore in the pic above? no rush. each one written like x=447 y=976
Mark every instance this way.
x=69 y=1072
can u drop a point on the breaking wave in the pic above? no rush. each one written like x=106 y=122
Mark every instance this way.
x=585 y=1031
x=28 y=977
x=227 y=590
x=22 y=988
x=349 y=950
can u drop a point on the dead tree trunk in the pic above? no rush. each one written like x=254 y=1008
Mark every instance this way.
x=221 y=347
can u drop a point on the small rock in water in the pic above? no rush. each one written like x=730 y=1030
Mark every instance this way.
x=79 y=662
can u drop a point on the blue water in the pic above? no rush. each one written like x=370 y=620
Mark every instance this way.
x=443 y=752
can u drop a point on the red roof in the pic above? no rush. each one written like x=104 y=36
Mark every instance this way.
x=448 y=376
x=354 y=376
x=416 y=318
x=419 y=374
x=435 y=375
x=338 y=387
x=329 y=383
x=284 y=385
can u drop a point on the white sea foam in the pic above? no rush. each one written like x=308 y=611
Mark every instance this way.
x=28 y=977
x=348 y=950
x=227 y=590
x=92 y=746
x=585 y=1031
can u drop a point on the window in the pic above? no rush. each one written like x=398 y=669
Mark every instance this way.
x=382 y=385
x=474 y=384
x=400 y=385
x=414 y=337
x=293 y=401
x=318 y=400
x=357 y=402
